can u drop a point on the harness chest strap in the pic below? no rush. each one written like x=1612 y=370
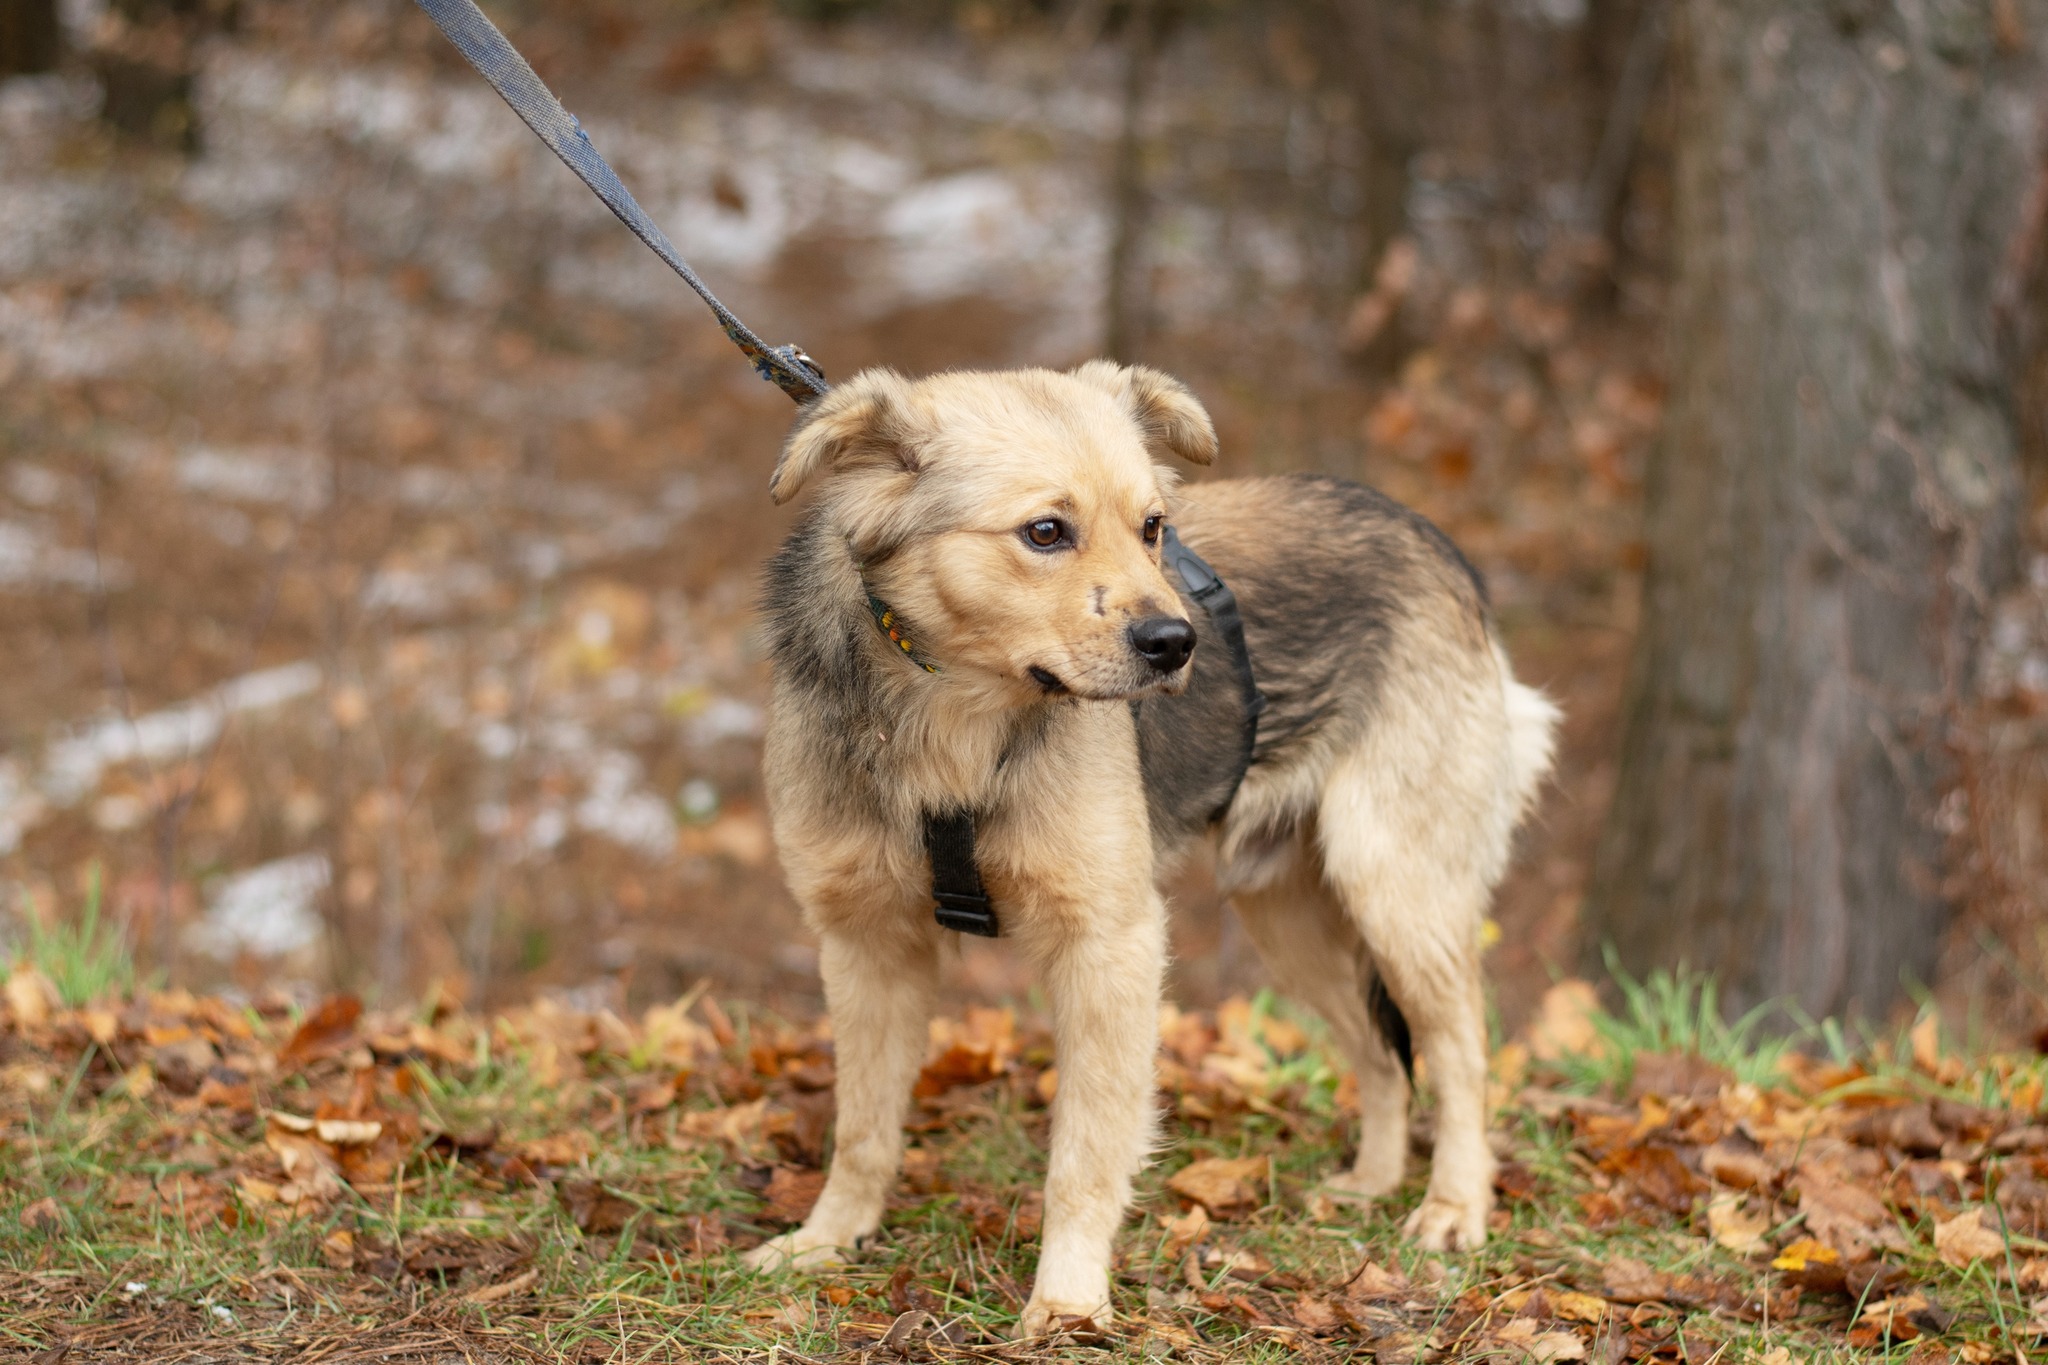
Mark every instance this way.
x=959 y=900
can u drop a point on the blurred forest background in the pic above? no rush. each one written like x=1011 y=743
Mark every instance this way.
x=380 y=523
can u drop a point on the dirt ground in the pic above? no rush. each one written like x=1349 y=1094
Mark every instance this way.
x=380 y=523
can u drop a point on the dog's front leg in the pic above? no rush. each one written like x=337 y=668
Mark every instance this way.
x=879 y=987
x=1102 y=975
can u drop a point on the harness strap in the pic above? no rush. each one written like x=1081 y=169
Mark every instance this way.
x=498 y=62
x=1209 y=589
x=960 y=901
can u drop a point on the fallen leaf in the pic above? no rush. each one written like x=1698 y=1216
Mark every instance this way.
x=1925 y=1038
x=968 y=1051
x=42 y=1216
x=1627 y=1280
x=1659 y=1175
x=791 y=1193
x=1225 y=1186
x=1966 y=1238
x=1736 y=1226
x=348 y=1132
x=31 y=997
x=1315 y=1315
x=1372 y=1281
x=494 y=1293
x=323 y=1031
x=1740 y=1162
x=311 y=1172
x=1000 y=1221
x=1845 y=1215
x=593 y=1208
x=1574 y=1306
x=1564 y=1025
x=1540 y=1347
x=1184 y=1231
x=338 y=1249
x=1677 y=1075
x=1804 y=1252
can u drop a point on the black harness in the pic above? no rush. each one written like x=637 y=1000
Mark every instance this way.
x=959 y=900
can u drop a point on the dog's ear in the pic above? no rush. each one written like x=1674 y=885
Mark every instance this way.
x=1171 y=419
x=860 y=422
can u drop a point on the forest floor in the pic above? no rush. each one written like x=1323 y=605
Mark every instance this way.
x=188 y=1179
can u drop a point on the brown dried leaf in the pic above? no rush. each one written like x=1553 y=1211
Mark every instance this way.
x=1226 y=1186
x=43 y=1216
x=594 y=1208
x=31 y=997
x=1316 y=1315
x=1845 y=1215
x=1736 y=1226
x=1968 y=1237
x=1373 y=1282
x=1626 y=1280
x=791 y=1193
x=323 y=1031
x=969 y=1051
x=496 y=1293
x=1658 y=1174
x=1738 y=1161
x=1521 y=1336
x=1677 y=1075
x=1184 y=1231
x=1563 y=1025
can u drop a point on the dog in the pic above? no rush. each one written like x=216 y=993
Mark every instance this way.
x=972 y=615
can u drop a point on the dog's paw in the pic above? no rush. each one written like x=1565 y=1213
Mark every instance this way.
x=1043 y=1317
x=1442 y=1224
x=797 y=1250
x=1350 y=1187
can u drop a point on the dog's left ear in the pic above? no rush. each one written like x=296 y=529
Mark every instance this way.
x=1171 y=419
x=861 y=422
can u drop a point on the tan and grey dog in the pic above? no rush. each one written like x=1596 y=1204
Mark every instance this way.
x=1011 y=523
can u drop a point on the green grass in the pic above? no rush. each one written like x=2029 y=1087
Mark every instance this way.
x=250 y=1278
x=88 y=959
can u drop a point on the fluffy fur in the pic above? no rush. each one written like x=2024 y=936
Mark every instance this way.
x=1395 y=759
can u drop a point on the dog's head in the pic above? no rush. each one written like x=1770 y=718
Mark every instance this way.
x=1013 y=519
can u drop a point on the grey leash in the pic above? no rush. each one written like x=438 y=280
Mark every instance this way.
x=498 y=62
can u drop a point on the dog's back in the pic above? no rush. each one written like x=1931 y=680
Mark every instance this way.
x=1345 y=594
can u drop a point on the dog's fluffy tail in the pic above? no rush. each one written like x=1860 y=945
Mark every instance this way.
x=1532 y=735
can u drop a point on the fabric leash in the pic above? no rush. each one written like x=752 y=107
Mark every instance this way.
x=498 y=62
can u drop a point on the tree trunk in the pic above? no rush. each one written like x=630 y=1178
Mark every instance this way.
x=1834 y=498
x=30 y=39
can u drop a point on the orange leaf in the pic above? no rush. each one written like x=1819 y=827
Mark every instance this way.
x=321 y=1032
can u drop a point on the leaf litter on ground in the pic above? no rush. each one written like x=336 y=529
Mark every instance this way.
x=560 y=1183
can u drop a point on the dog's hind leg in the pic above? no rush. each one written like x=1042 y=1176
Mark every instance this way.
x=1415 y=880
x=1316 y=956
x=880 y=987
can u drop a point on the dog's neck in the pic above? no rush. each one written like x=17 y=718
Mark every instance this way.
x=929 y=736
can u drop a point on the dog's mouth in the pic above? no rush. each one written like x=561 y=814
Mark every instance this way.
x=1048 y=682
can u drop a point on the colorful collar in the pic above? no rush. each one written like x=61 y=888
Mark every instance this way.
x=886 y=622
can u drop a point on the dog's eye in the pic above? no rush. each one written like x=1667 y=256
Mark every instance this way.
x=1153 y=525
x=1046 y=533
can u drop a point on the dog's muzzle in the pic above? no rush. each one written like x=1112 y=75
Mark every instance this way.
x=1163 y=642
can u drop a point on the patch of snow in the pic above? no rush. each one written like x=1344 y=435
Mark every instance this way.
x=267 y=911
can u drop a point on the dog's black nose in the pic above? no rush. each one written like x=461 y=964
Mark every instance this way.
x=1164 y=641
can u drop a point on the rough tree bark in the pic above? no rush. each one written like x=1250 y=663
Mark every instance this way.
x=1834 y=497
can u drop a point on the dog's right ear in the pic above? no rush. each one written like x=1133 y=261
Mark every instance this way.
x=861 y=422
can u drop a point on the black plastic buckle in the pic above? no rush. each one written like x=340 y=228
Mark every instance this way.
x=966 y=914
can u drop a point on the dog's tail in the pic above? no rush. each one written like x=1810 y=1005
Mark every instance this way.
x=1532 y=735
